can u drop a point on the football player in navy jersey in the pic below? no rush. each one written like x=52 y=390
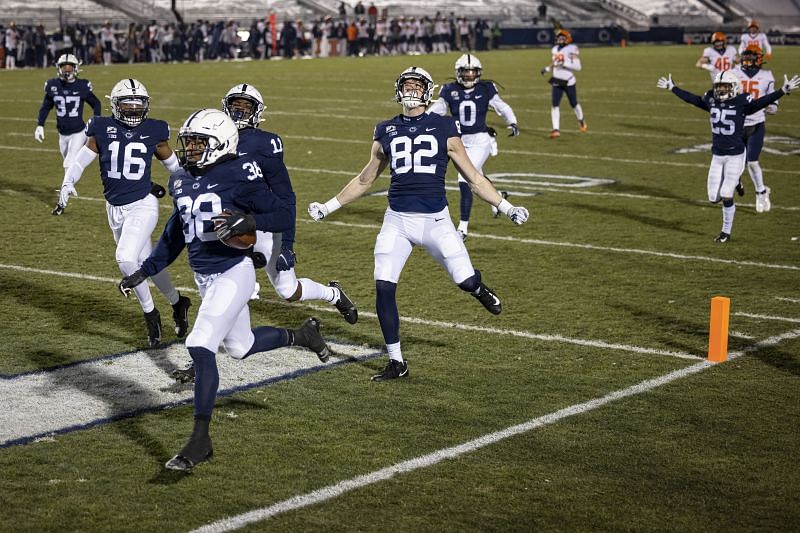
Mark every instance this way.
x=126 y=144
x=469 y=99
x=245 y=105
x=67 y=94
x=727 y=107
x=217 y=196
x=417 y=146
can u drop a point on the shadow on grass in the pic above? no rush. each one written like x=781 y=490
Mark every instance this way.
x=671 y=225
x=47 y=195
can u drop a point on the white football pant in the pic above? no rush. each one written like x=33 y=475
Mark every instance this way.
x=132 y=226
x=724 y=175
x=70 y=145
x=224 y=317
x=285 y=282
x=433 y=231
x=479 y=147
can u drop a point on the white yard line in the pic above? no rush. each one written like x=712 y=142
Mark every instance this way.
x=768 y=317
x=424 y=461
x=790 y=300
x=416 y=320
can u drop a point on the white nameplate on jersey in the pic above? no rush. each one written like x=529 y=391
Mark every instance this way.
x=98 y=391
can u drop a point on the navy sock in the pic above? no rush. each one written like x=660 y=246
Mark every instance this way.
x=472 y=283
x=466 y=200
x=388 y=316
x=206 y=381
x=268 y=338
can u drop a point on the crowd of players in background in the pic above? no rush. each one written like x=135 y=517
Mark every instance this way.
x=32 y=46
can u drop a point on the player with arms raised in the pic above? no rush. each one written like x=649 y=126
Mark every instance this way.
x=68 y=94
x=217 y=198
x=727 y=108
x=757 y=82
x=126 y=143
x=416 y=146
x=718 y=57
x=469 y=99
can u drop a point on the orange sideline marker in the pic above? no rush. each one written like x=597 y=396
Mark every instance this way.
x=718 y=329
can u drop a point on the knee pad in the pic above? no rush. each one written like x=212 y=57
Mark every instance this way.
x=287 y=291
x=128 y=267
x=472 y=283
x=727 y=202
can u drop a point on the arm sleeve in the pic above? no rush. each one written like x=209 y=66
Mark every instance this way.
x=93 y=101
x=171 y=164
x=757 y=105
x=168 y=248
x=438 y=106
x=82 y=160
x=690 y=98
x=270 y=212
x=277 y=177
x=47 y=105
x=572 y=62
x=503 y=109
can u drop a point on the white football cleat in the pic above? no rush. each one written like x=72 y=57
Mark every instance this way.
x=762 y=201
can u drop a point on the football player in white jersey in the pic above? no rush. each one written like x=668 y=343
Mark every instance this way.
x=469 y=100
x=757 y=82
x=718 y=57
x=754 y=35
x=566 y=61
x=417 y=147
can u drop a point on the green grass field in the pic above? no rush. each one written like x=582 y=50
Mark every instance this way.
x=606 y=289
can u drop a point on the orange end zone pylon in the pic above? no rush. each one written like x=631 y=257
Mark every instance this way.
x=718 y=329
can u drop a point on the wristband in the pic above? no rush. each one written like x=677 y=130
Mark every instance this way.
x=504 y=206
x=332 y=205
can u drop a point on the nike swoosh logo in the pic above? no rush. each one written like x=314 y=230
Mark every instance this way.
x=242 y=153
x=438 y=219
x=429 y=129
x=144 y=136
x=212 y=186
x=496 y=300
x=479 y=97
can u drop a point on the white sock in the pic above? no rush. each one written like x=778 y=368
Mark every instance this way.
x=555 y=116
x=727 y=218
x=754 y=168
x=317 y=291
x=579 y=112
x=395 y=353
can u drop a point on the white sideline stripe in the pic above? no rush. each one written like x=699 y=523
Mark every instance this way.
x=590 y=247
x=95 y=391
x=414 y=320
x=790 y=300
x=424 y=461
x=768 y=317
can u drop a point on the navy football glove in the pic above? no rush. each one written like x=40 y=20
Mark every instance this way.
x=157 y=190
x=129 y=282
x=514 y=130
x=232 y=223
x=286 y=260
x=491 y=131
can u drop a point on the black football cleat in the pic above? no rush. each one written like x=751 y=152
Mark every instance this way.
x=722 y=237
x=489 y=299
x=58 y=210
x=180 y=314
x=393 y=370
x=740 y=188
x=308 y=335
x=197 y=450
x=153 y=322
x=184 y=375
x=345 y=305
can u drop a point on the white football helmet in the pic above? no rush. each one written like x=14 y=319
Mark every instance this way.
x=726 y=85
x=410 y=100
x=67 y=59
x=241 y=118
x=129 y=102
x=468 y=70
x=216 y=134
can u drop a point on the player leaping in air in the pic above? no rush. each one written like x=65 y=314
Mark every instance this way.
x=728 y=108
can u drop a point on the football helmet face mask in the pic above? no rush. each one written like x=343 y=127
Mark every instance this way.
x=563 y=37
x=468 y=70
x=726 y=85
x=752 y=29
x=130 y=102
x=234 y=104
x=409 y=96
x=67 y=66
x=207 y=137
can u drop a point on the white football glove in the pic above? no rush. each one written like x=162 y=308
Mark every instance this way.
x=67 y=189
x=665 y=83
x=790 y=85
x=771 y=109
x=518 y=215
x=38 y=133
x=317 y=211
